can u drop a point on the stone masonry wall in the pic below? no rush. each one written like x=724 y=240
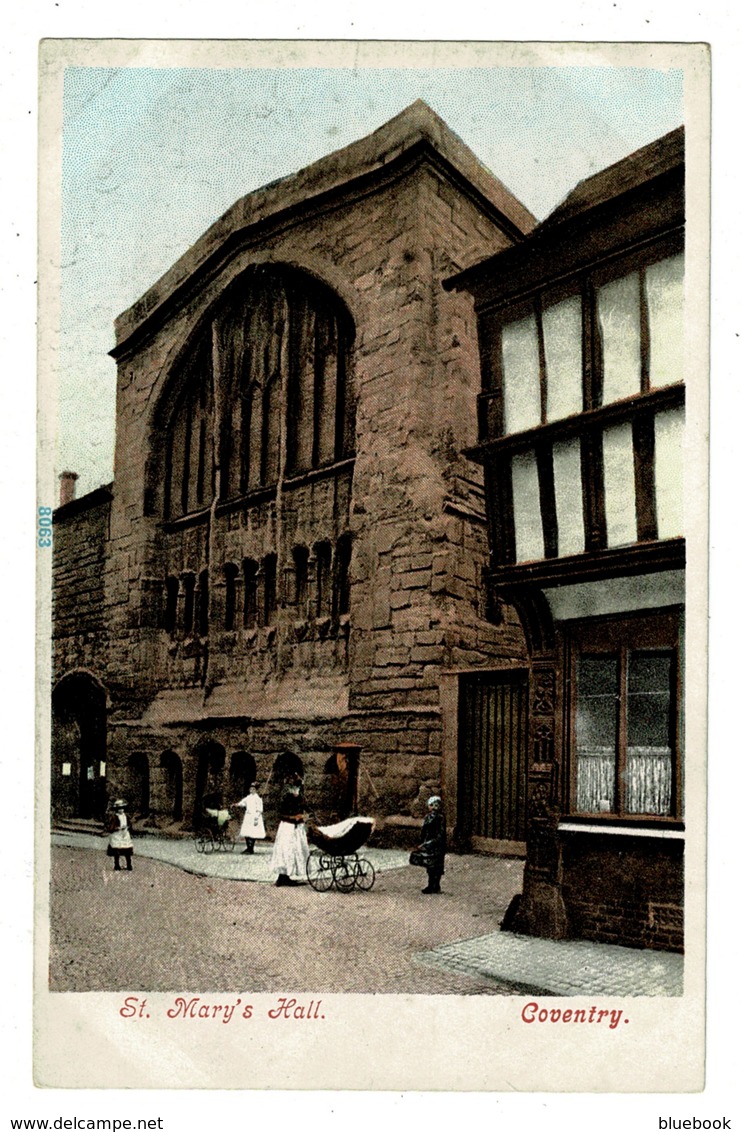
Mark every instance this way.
x=415 y=508
x=80 y=547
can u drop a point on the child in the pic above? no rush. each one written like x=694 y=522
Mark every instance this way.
x=252 y=828
x=120 y=843
x=432 y=849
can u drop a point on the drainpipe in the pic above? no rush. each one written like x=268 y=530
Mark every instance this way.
x=283 y=368
x=216 y=416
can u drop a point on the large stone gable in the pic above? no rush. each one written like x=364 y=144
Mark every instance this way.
x=381 y=224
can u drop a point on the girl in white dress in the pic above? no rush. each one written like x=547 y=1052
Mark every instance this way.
x=252 y=828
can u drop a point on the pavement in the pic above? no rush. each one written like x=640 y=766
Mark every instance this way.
x=524 y=963
x=562 y=967
x=236 y=865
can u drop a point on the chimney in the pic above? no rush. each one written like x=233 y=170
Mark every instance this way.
x=67 y=487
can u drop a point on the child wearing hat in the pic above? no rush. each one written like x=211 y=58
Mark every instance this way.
x=120 y=843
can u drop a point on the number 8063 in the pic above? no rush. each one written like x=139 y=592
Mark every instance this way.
x=44 y=527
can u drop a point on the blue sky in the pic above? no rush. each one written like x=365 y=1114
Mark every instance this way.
x=152 y=156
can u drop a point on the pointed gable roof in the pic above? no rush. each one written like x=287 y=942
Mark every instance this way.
x=416 y=134
x=660 y=156
x=642 y=175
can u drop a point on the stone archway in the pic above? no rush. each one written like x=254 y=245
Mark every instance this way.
x=286 y=764
x=242 y=774
x=172 y=785
x=78 y=781
x=210 y=758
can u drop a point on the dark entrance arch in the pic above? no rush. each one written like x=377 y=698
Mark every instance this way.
x=173 y=784
x=79 y=747
x=286 y=764
x=242 y=772
x=209 y=777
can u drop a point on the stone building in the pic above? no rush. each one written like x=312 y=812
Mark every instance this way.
x=581 y=419
x=287 y=569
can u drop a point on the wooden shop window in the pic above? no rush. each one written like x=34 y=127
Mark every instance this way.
x=625 y=715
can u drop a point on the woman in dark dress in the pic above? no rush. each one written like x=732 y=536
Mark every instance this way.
x=432 y=848
x=290 y=848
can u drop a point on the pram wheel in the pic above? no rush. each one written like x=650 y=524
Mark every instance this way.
x=204 y=841
x=345 y=875
x=365 y=874
x=319 y=872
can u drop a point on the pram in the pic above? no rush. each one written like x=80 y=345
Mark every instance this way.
x=213 y=833
x=335 y=860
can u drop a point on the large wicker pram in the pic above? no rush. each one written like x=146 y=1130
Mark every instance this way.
x=335 y=860
x=213 y=832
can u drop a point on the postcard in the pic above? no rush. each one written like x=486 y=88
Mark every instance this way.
x=372 y=557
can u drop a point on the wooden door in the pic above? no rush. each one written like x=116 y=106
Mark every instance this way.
x=493 y=710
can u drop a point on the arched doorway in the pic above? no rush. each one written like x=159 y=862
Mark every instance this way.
x=286 y=764
x=79 y=747
x=172 y=769
x=210 y=758
x=242 y=773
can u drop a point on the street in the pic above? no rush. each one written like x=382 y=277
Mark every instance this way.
x=159 y=928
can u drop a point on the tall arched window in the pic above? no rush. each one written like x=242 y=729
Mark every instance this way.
x=189 y=449
x=276 y=350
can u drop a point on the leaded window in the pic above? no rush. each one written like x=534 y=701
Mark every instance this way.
x=266 y=385
x=625 y=719
x=582 y=411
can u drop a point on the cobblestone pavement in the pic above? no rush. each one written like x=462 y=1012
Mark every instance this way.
x=200 y=927
x=571 y=967
x=161 y=928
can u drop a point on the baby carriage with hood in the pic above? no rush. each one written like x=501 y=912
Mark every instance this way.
x=213 y=832
x=334 y=859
